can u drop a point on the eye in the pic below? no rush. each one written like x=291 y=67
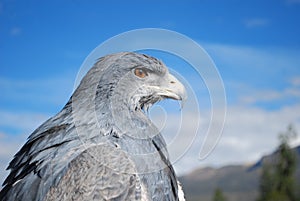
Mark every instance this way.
x=140 y=72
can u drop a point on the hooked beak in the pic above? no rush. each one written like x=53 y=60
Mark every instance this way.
x=169 y=88
x=173 y=89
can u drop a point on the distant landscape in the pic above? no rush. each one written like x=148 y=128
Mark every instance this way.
x=238 y=182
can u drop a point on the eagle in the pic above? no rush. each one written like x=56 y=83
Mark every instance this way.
x=102 y=145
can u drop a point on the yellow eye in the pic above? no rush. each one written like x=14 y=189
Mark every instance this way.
x=141 y=73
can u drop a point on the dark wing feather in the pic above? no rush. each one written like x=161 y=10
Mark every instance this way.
x=27 y=162
x=159 y=144
x=101 y=172
x=170 y=172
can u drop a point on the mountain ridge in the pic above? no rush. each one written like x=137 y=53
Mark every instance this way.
x=239 y=182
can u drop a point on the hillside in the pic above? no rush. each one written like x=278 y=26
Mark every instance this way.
x=238 y=182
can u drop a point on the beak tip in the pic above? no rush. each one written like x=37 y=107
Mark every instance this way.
x=177 y=88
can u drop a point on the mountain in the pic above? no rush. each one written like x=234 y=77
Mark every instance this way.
x=238 y=182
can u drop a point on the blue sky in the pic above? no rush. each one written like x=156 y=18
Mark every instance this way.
x=255 y=45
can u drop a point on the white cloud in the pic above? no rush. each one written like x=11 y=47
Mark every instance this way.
x=269 y=96
x=249 y=133
x=54 y=90
x=256 y=22
x=21 y=120
x=293 y=92
x=257 y=74
x=295 y=81
x=15 y=31
x=293 y=2
x=268 y=60
x=9 y=145
x=256 y=96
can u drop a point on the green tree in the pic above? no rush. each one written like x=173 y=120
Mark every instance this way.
x=277 y=181
x=218 y=195
x=286 y=166
x=266 y=186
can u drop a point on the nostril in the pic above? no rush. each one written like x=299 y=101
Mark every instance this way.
x=172 y=82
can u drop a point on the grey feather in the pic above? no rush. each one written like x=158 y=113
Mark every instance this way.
x=101 y=146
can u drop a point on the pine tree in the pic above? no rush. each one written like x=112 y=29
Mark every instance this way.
x=278 y=180
x=286 y=166
x=267 y=187
x=218 y=195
